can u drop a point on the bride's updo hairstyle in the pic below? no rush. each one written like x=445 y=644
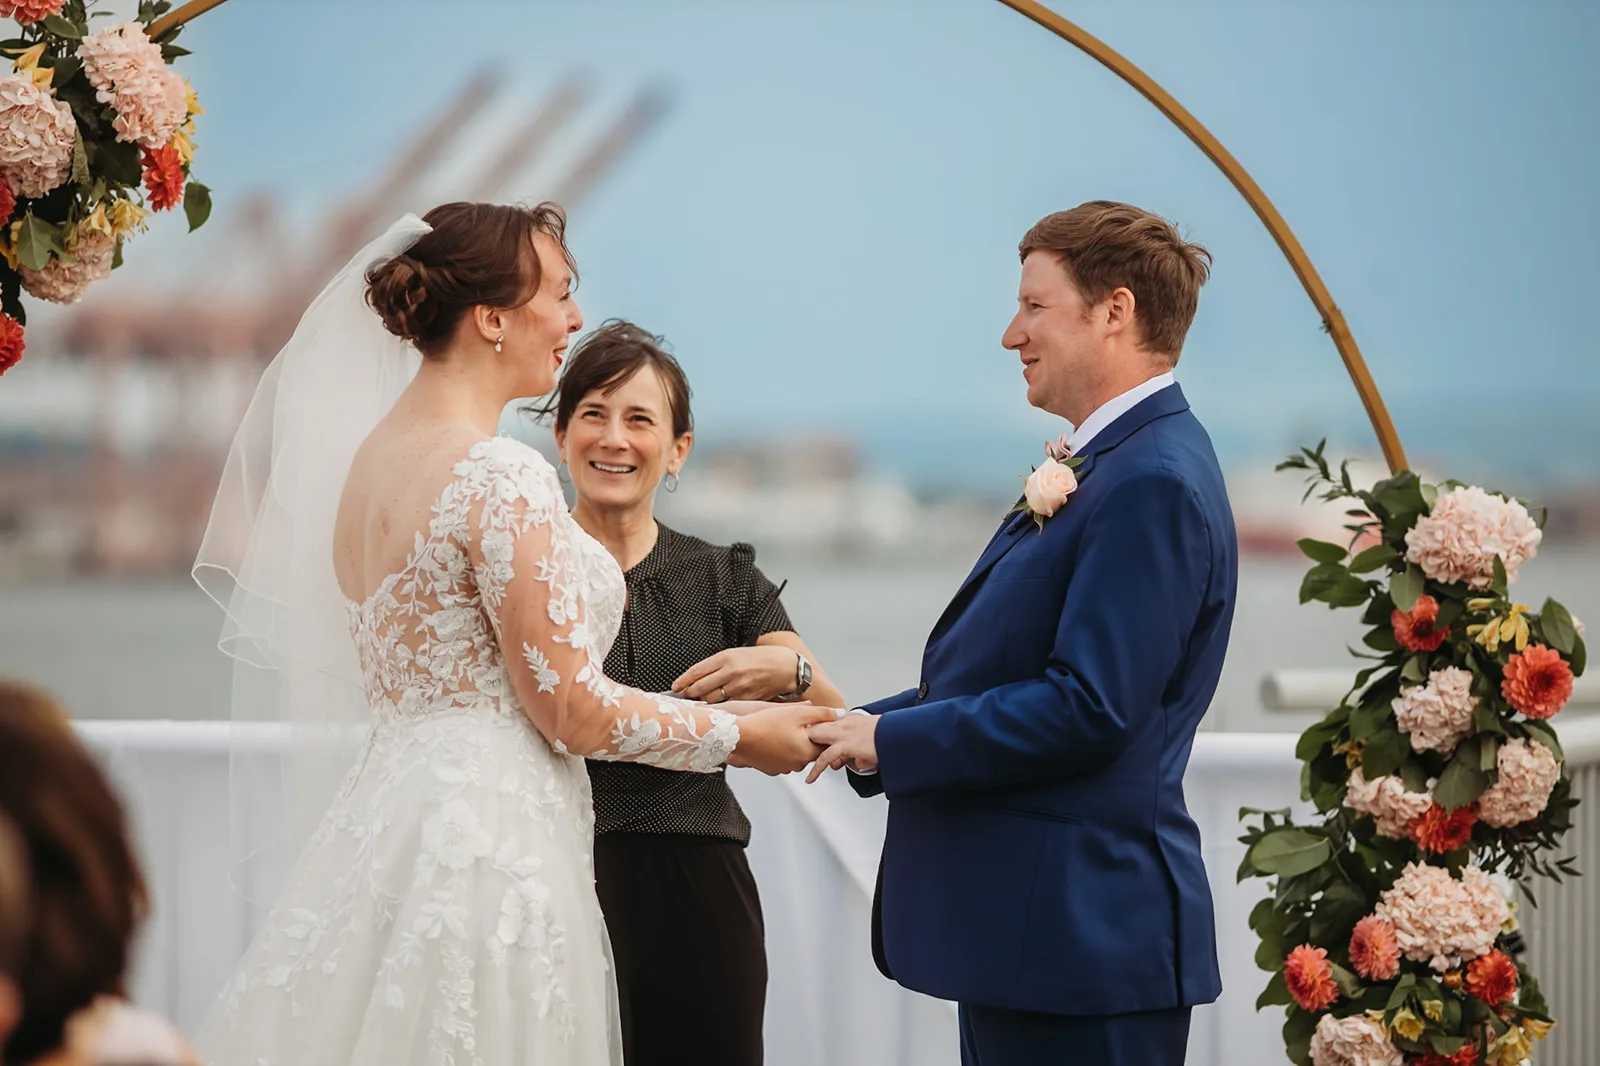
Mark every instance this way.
x=476 y=254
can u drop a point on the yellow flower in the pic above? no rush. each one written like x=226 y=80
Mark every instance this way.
x=1536 y=1028
x=1407 y=1024
x=1497 y=630
x=97 y=219
x=127 y=217
x=181 y=141
x=1511 y=1049
x=8 y=245
x=190 y=100
x=28 y=63
x=1434 y=1009
x=1511 y=924
x=1481 y=605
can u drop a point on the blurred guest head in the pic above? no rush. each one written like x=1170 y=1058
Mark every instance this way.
x=622 y=418
x=1107 y=295
x=87 y=891
x=13 y=924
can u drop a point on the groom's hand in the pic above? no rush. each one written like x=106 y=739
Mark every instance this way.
x=851 y=740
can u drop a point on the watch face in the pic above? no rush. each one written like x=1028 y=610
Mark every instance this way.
x=805 y=673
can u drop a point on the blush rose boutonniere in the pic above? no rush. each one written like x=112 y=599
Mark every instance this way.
x=1050 y=483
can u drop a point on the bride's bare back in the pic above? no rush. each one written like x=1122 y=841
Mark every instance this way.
x=394 y=482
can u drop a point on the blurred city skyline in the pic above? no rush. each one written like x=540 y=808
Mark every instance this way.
x=824 y=222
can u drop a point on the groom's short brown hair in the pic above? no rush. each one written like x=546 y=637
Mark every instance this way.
x=1104 y=245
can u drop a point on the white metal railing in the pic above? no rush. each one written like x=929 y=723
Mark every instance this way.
x=1563 y=931
x=815 y=853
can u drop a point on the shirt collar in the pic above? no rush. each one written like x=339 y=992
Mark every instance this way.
x=1114 y=409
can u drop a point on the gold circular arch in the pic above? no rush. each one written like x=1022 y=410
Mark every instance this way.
x=1332 y=318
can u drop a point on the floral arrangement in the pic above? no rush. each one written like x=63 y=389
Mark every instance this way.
x=1438 y=780
x=96 y=132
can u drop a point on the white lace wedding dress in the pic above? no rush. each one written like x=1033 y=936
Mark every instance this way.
x=444 y=913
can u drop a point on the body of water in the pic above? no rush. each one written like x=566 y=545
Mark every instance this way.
x=148 y=650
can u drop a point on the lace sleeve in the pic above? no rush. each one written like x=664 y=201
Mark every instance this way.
x=529 y=577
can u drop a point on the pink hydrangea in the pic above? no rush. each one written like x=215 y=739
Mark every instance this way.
x=1467 y=528
x=1387 y=801
x=27 y=12
x=1440 y=920
x=1438 y=714
x=37 y=134
x=1528 y=773
x=1353 y=1041
x=64 y=283
x=127 y=71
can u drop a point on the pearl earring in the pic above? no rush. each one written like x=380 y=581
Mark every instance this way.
x=498 y=341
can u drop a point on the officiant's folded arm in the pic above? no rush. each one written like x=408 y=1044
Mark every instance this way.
x=1138 y=582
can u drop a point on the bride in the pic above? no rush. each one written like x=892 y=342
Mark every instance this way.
x=383 y=555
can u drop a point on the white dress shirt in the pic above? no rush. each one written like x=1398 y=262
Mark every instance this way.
x=1114 y=409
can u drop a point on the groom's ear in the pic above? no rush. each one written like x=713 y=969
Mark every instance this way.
x=1119 y=309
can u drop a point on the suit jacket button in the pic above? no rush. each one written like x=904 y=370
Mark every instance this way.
x=922 y=691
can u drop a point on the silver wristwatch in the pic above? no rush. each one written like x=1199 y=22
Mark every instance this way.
x=802 y=681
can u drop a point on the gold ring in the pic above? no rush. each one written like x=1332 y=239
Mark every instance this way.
x=724 y=690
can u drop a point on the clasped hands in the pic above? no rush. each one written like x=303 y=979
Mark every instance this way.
x=783 y=738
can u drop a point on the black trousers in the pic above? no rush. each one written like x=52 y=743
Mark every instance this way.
x=690 y=948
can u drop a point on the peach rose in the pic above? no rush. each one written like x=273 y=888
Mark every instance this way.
x=1049 y=486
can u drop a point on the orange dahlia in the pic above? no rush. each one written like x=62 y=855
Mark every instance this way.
x=1374 y=951
x=1537 y=682
x=10 y=342
x=1414 y=628
x=163 y=177
x=1439 y=830
x=1310 y=977
x=1492 y=978
x=1467 y=1056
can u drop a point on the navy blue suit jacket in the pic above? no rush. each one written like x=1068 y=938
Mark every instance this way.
x=1039 y=854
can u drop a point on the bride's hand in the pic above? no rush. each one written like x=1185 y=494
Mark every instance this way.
x=774 y=741
x=741 y=708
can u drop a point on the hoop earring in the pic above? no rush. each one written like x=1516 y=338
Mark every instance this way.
x=670 y=482
x=499 y=341
x=563 y=475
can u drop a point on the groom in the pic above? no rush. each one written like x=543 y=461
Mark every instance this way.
x=1040 y=867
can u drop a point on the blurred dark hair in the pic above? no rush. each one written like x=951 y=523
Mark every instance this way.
x=13 y=898
x=606 y=360
x=87 y=892
x=476 y=254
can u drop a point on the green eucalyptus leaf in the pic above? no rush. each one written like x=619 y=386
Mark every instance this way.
x=1489 y=753
x=1276 y=994
x=1289 y=852
x=1485 y=719
x=1385 y=753
x=1555 y=622
x=1321 y=551
x=1414 y=776
x=1414 y=669
x=1463 y=781
x=1542 y=732
x=196 y=205
x=37 y=240
x=1367 y=720
x=62 y=28
x=1372 y=558
x=1347 y=982
x=1406 y=587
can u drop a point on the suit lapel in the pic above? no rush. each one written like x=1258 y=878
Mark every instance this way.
x=1014 y=530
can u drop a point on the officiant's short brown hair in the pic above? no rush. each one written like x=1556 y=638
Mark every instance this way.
x=1104 y=245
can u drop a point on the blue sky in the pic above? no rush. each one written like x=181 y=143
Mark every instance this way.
x=825 y=224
